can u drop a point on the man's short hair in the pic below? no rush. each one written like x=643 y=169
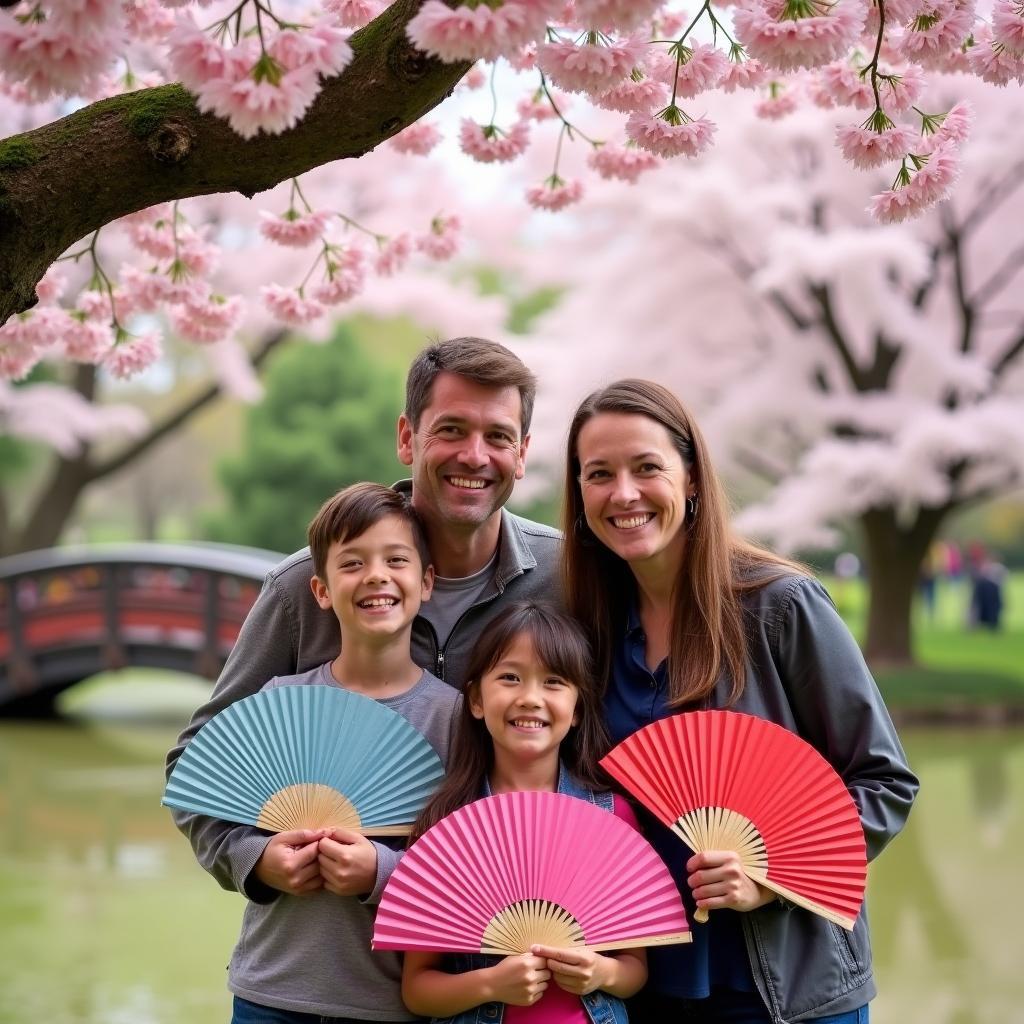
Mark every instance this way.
x=352 y=511
x=481 y=361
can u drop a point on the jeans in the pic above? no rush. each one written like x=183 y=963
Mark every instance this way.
x=721 y=1007
x=244 y=1012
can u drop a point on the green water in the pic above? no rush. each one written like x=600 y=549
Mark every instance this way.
x=105 y=918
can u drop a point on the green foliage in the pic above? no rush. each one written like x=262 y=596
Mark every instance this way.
x=327 y=420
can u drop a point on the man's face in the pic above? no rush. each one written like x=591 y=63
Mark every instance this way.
x=467 y=453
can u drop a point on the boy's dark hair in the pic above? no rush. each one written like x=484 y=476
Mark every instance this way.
x=481 y=361
x=352 y=511
x=561 y=647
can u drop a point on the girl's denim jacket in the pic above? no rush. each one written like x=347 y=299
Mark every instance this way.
x=600 y=1007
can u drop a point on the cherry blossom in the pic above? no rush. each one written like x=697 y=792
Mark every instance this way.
x=355 y=13
x=482 y=32
x=554 y=194
x=625 y=163
x=289 y=306
x=132 y=354
x=293 y=228
x=418 y=139
x=866 y=148
x=442 y=241
x=490 y=144
x=671 y=133
x=791 y=34
x=623 y=15
x=591 y=67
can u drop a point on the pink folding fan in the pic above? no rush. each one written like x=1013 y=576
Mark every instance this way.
x=508 y=871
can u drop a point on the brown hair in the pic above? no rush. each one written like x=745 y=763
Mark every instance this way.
x=352 y=511
x=481 y=361
x=561 y=647
x=718 y=567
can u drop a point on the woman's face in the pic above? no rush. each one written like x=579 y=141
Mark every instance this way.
x=634 y=488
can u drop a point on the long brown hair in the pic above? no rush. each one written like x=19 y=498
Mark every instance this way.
x=707 y=617
x=562 y=648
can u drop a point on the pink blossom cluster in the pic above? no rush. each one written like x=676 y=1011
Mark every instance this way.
x=779 y=102
x=633 y=94
x=354 y=13
x=132 y=354
x=66 y=53
x=841 y=84
x=393 y=254
x=480 y=32
x=554 y=194
x=930 y=185
x=743 y=74
x=625 y=163
x=344 y=275
x=489 y=144
x=418 y=139
x=590 y=67
x=294 y=229
x=938 y=28
x=621 y=15
x=256 y=89
x=441 y=242
x=675 y=136
x=866 y=148
x=792 y=34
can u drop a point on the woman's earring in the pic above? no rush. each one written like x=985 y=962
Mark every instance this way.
x=692 y=504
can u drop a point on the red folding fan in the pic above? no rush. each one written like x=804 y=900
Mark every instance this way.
x=509 y=871
x=728 y=781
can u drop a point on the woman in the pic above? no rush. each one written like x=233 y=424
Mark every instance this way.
x=684 y=615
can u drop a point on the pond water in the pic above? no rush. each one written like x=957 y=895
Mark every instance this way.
x=106 y=919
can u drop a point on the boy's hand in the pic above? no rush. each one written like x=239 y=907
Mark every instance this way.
x=289 y=862
x=348 y=863
x=717 y=880
x=519 y=980
x=579 y=971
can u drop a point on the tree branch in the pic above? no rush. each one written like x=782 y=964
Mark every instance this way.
x=1005 y=361
x=1002 y=276
x=133 y=151
x=966 y=310
x=990 y=199
x=176 y=417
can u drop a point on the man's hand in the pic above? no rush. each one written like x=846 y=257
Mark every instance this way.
x=579 y=971
x=348 y=863
x=518 y=980
x=717 y=880
x=289 y=862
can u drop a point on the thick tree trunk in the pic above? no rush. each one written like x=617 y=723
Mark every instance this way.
x=894 y=553
x=133 y=151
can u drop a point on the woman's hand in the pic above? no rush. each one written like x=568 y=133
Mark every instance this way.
x=348 y=862
x=717 y=880
x=578 y=970
x=518 y=980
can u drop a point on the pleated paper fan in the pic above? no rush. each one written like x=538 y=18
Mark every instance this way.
x=722 y=780
x=307 y=757
x=508 y=871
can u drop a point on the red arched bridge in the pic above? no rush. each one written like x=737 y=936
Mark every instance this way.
x=68 y=613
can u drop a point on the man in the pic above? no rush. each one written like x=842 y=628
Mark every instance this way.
x=464 y=434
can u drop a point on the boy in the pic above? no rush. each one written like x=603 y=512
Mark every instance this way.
x=304 y=951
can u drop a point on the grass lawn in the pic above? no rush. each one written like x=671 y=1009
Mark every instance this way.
x=957 y=665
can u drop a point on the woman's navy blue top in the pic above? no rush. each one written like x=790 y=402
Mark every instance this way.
x=717 y=957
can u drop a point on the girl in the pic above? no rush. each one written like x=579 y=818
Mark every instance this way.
x=531 y=720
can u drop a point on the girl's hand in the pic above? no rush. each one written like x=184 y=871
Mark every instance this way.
x=518 y=980
x=717 y=880
x=579 y=971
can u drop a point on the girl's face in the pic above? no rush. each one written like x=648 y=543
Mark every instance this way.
x=634 y=487
x=527 y=709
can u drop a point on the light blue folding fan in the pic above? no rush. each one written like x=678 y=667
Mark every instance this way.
x=307 y=757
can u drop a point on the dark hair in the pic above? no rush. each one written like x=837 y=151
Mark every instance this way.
x=561 y=647
x=707 y=617
x=352 y=511
x=481 y=361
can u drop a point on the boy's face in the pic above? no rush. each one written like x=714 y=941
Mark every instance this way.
x=375 y=582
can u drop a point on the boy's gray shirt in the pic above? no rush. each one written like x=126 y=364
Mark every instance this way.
x=311 y=953
x=286 y=632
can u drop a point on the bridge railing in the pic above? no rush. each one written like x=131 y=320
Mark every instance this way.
x=67 y=615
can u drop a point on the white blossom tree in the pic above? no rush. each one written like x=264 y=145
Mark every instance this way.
x=856 y=371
